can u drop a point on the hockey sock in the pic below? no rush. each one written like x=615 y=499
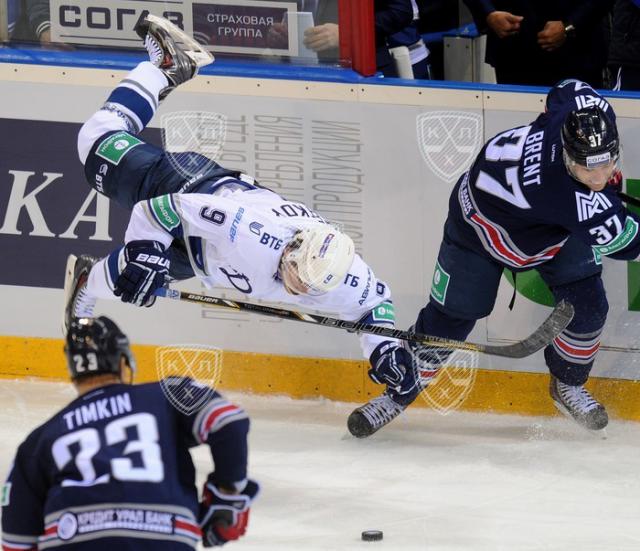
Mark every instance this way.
x=136 y=97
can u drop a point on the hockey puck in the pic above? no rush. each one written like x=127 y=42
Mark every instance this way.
x=372 y=535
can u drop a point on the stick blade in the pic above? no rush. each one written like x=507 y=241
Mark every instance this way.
x=555 y=324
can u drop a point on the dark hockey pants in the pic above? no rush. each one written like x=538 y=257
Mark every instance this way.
x=472 y=281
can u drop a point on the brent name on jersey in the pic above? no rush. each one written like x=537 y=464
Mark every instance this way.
x=532 y=159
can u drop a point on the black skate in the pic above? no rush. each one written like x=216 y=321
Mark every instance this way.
x=170 y=49
x=372 y=416
x=77 y=303
x=576 y=402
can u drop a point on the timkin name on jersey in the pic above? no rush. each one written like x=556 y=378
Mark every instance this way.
x=104 y=408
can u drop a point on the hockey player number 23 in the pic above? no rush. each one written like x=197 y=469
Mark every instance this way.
x=122 y=468
x=507 y=146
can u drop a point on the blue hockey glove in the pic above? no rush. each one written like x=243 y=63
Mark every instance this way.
x=393 y=365
x=224 y=517
x=147 y=267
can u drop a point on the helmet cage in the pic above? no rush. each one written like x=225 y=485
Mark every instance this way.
x=316 y=260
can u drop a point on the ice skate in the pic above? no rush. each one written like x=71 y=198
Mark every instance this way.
x=576 y=402
x=372 y=416
x=77 y=303
x=170 y=49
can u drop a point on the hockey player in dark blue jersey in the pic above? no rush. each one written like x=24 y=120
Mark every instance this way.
x=112 y=470
x=537 y=196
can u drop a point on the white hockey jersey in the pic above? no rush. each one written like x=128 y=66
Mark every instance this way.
x=235 y=239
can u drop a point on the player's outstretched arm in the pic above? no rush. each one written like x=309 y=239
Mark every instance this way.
x=228 y=493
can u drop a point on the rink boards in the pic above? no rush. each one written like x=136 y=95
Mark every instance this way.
x=380 y=160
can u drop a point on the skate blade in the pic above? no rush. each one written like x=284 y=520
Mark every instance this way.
x=68 y=288
x=195 y=51
x=597 y=433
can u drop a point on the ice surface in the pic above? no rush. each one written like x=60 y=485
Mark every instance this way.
x=458 y=482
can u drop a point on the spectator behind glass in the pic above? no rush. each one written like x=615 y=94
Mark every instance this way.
x=391 y=16
x=323 y=38
x=407 y=46
x=540 y=42
x=624 y=53
x=29 y=21
x=437 y=16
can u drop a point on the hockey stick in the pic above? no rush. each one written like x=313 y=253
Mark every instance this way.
x=629 y=199
x=556 y=322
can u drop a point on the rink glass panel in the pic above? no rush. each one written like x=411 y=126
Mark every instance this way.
x=263 y=31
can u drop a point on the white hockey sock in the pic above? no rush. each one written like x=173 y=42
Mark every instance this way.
x=137 y=95
x=99 y=284
x=129 y=107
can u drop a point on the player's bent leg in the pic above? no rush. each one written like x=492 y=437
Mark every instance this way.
x=174 y=59
x=463 y=290
x=574 y=275
x=571 y=355
x=117 y=162
x=129 y=107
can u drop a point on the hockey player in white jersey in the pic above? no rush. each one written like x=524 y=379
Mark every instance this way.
x=220 y=226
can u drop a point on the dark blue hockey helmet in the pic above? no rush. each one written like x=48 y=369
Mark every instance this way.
x=95 y=346
x=590 y=138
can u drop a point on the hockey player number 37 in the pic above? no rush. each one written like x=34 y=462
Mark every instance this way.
x=122 y=468
x=507 y=146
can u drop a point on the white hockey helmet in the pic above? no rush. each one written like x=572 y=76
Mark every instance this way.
x=316 y=260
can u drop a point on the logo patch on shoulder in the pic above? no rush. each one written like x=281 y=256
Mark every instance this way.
x=164 y=212
x=6 y=492
x=440 y=284
x=116 y=146
x=590 y=204
x=384 y=312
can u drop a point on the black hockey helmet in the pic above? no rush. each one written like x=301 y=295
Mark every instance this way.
x=590 y=137
x=95 y=346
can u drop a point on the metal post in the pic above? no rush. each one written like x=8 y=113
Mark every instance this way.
x=4 y=21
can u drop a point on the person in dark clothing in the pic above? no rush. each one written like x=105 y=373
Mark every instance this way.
x=112 y=469
x=29 y=21
x=624 y=52
x=324 y=37
x=417 y=56
x=391 y=16
x=542 y=42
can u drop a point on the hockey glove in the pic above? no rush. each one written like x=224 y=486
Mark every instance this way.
x=146 y=269
x=224 y=517
x=393 y=365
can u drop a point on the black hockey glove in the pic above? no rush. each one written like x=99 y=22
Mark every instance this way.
x=393 y=365
x=224 y=517
x=147 y=267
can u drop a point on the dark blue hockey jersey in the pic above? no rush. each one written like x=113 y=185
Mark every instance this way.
x=519 y=204
x=112 y=470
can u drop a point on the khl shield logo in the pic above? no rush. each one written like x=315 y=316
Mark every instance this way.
x=194 y=139
x=188 y=374
x=449 y=141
